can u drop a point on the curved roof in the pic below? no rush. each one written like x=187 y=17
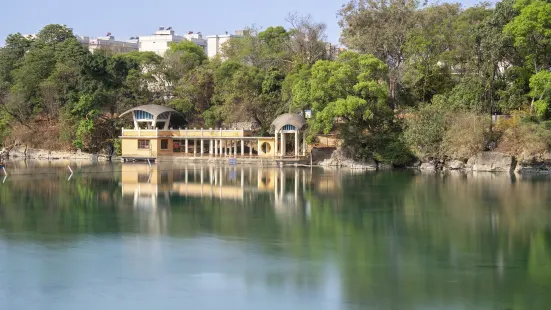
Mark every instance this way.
x=289 y=119
x=153 y=109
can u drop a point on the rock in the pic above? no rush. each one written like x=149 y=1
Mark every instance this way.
x=540 y=163
x=339 y=159
x=18 y=151
x=491 y=162
x=470 y=163
x=455 y=165
x=382 y=166
x=37 y=154
x=430 y=166
x=527 y=168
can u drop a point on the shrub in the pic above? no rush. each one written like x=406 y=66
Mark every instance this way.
x=524 y=135
x=467 y=134
x=424 y=130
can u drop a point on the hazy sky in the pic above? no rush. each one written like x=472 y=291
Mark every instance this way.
x=127 y=18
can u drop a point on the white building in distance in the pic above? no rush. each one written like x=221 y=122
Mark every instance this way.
x=216 y=42
x=160 y=41
x=109 y=43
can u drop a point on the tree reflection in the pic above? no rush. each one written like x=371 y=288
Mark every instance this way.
x=388 y=240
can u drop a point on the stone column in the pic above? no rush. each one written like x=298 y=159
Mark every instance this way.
x=304 y=147
x=242 y=148
x=275 y=145
x=235 y=148
x=210 y=146
x=194 y=147
x=215 y=146
x=186 y=147
x=202 y=146
x=296 y=144
x=283 y=144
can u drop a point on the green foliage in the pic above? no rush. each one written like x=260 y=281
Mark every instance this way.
x=425 y=129
x=541 y=108
x=540 y=89
x=468 y=63
x=84 y=132
x=531 y=31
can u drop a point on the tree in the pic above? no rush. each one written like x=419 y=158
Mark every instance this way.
x=245 y=93
x=53 y=34
x=381 y=28
x=14 y=50
x=428 y=70
x=308 y=40
x=531 y=32
x=351 y=94
x=540 y=86
x=264 y=49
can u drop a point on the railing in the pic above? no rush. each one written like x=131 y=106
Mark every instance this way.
x=186 y=133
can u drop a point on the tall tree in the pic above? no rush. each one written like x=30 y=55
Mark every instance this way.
x=381 y=28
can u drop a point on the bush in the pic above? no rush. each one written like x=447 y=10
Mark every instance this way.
x=524 y=135
x=424 y=130
x=466 y=135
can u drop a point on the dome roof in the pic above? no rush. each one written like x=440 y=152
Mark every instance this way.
x=153 y=109
x=288 y=119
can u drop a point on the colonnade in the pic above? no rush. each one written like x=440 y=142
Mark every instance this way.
x=280 y=140
x=219 y=147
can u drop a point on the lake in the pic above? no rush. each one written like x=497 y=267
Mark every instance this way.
x=130 y=236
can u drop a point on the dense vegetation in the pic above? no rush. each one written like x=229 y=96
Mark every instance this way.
x=417 y=79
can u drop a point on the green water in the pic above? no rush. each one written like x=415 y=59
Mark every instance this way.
x=316 y=240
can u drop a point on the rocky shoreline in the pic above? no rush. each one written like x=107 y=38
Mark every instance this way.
x=481 y=162
x=336 y=158
x=23 y=152
x=492 y=162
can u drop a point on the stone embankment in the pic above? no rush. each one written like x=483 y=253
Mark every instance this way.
x=493 y=162
x=23 y=152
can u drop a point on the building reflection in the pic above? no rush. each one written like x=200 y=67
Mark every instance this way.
x=154 y=190
x=153 y=186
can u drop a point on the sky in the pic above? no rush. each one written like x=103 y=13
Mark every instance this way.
x=128 y=18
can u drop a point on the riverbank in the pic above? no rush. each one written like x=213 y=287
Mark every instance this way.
x=492 y=162
x=481 y=162
x=324 y=157
x=23 y=152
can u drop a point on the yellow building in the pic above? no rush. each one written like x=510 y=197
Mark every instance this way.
x=153 y=138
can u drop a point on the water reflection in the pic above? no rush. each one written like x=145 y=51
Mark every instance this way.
x=302 y=238
x=151 y=186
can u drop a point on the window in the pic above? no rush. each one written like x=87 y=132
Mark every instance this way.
x=164 y=144
x=143 y=144
x=266 y=148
